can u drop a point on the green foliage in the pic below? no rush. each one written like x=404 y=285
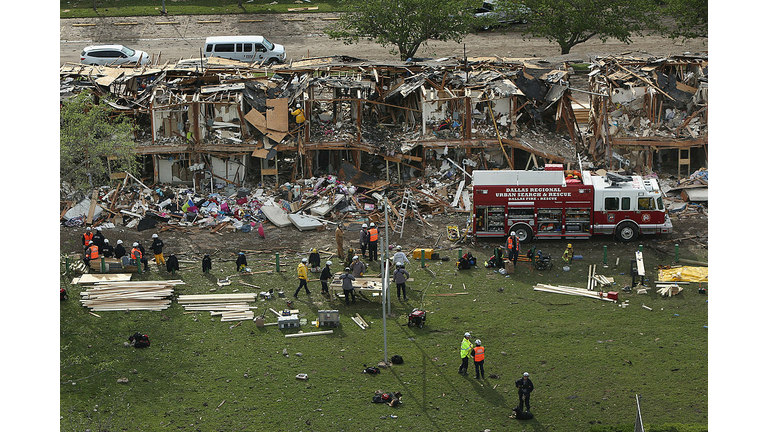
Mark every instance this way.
x=587 y=358
x=691 y=18
x=406 y=24
x=571 y=22
x=88 y=135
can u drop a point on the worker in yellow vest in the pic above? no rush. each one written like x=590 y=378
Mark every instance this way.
x=373 y=243
x=478 y=353
x=568 y=254
x=302 y=272
x=466 y=347
x=299 y=114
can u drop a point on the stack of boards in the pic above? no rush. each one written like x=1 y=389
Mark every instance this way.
x=231 y=307
x=562 y=289
x=123 y=295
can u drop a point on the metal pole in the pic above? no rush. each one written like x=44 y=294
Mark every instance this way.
x=677 y=253
x=605 y=256
x=385 y=252
x=277 y=262
x=383 y=309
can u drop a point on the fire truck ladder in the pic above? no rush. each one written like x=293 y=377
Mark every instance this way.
x=408 y=201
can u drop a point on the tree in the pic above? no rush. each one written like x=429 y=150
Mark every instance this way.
x=88 y=136
x=571 y=22
x=406 y=24
x=691 y=18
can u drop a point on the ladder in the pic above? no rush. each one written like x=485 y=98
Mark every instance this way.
x=408 y=202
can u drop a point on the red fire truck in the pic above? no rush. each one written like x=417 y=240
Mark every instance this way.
x=554 y=203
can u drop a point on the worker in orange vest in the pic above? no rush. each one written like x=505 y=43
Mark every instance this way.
x=87 y=236
x=513 y=247
x=91 y=252
x=478 y=353
x=373 y=243
x=135 y=254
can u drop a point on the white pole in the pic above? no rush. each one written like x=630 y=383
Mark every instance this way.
x=385 y=251
x=384 y=287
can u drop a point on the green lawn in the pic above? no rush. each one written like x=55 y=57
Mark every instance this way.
x=587 y=358
x=104 y=8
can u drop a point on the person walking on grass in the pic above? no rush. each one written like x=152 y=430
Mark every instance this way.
x=466 y=347
x=373 y=242
x=340 y=241
x=302 y=273
x=524 y=389
x=478 y=353
x=157 y=249
x=401 y=276
x=346 y=285
x=364 y=238
x=242 y=263
x=325 y=276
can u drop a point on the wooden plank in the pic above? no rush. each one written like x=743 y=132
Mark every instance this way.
x=324 y=332
x=92 y=208
x=640 y=265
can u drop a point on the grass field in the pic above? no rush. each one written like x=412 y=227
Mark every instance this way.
x=587 y=358
x=104 y=8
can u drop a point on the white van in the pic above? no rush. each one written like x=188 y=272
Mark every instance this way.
x=244 y=48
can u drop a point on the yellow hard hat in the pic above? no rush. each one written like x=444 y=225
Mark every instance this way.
x=569 y=245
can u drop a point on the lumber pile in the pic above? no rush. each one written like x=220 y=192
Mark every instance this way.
x=594 y=280
x=88 y=279
x=231 y=307
x=126 y=295
x=360 y=321
x=669 y=290
x=562 y=289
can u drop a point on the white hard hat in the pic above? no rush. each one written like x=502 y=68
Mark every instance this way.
x=525 y=373
x=467 y=334
x=399 y=248
x=88 y=229
x=135 y=244
x=355 y=257
x=328 y=263
x=119 y=242
x=90 y=241
x=303 y=260
x=398 y=264
x=365 y=225
x=477 y=342
x=106 y=240
x=154 y=235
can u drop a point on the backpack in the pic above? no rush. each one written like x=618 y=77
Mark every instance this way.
x=470 y=258
x=397 y=359
x=463 y=264
x=63 y=294
x=371 y=370
x=139 y=340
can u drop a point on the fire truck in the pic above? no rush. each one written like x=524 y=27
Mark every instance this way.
x=555 y=203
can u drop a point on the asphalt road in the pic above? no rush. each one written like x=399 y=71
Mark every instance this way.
x=175 y=37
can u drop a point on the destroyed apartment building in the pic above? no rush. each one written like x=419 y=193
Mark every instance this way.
x=654 y=114
x=206 y=121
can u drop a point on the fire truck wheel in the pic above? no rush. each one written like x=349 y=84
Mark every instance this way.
x=626 y=232
x=524 y=233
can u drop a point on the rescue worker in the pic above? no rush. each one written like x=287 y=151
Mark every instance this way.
x=302 y=273
x=172 y=265
x=478 y=353
x=325 y=276
x=568 y=254
x=373 y=243
x=400 y=256
x=513 y=247
x=340 y=241
x=350 y=256
x=498 y=256
x=364 y=239
x=524 y=389
x=157 y=249
x=144 y=260
x=87 y=236
x=207 y=265
x=358 y=267
x=107 y=250
x=136 y=256
x=314 y=260
x=98 y=238
x=400 y=276
x=119 y=249
x=241 y=262
x=91 y=253
x=346 y=285
x=466 y=347
x=299 y=114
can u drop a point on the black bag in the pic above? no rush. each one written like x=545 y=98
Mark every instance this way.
x=139 y=340
x=371 y=370
x=63 y=294
x=396 y=359
x=463 y=264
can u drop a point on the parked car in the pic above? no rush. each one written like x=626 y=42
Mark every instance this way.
x=112 y=55
x=493 y=17
x=248 y=49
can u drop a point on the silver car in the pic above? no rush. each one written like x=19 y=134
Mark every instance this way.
x=112 y=55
